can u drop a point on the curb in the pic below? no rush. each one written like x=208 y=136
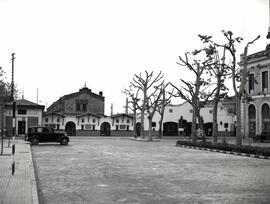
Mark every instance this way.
x=144 y=140
x=33 y=178
x=226 y=152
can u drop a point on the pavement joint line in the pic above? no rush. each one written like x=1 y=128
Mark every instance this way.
x=33 y=178
x=226 y=152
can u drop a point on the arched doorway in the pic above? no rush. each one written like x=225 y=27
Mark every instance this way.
x=105 y=129
x=138 y=129
x=70 y=128
x=207 y=127
x=265 y=118
x=170 y=129
x=252 y=120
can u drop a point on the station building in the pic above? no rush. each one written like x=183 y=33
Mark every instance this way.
x=82 y=113
x=256 y=107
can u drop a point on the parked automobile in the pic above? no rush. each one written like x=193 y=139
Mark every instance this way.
x=40 y=134
x=264 y=136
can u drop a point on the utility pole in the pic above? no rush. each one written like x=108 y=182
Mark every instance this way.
x=13 y=115
x=2 y=124
x=37 y=95
x=268 y=34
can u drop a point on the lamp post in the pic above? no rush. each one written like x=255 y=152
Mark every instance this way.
x=268 y=34
x=13 y=115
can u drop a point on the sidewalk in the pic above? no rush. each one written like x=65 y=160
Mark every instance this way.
x=21 y=188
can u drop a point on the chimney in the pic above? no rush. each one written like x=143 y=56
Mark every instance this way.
x=100 y=93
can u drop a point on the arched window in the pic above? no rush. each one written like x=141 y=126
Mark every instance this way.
x=265 y=118
x=252 y=120
x=251 y=111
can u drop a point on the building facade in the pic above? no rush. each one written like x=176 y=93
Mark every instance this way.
x=256 y=107
x=27 y=114
x=174 y=113
x=82 y=113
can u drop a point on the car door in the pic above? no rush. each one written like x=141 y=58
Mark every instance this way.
x=47 y=135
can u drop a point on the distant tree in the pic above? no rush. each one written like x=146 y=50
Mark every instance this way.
x=239 y=77
x=153 y=102
x=5 y=89
x=196 y=92
x=149 y=86
x=164 y=101
x=134 y=101
x=219 y=72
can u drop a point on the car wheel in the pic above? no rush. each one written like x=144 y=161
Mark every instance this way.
x=64 y=141
x=34 y=141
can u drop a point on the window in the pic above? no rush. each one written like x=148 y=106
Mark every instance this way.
x=22 y=111
x=264 y=81
x=82 y=120
x=220 y=122
x=127 y=120
x=46 y=119
x=81 y=106
x=45 y=130
x=170 y=110
x=94 y=120
x=58 y=120
x=117 y=121
x=84 y=107
x=154 y=124
x=226 y=125
x=251 y=83
x=122 y=127
x=78 y=107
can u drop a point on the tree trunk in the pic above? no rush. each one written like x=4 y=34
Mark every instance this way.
x=160 y=126
x=134 y=123
x=238 y=119
x=193 y=126
x=215 y=112
x=142 y=123
x=215 y=124
x=150 y=128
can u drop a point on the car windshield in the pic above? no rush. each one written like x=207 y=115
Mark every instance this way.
x=39 y=129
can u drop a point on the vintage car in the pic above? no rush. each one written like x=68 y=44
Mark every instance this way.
x=264 y=136
x=39 y=134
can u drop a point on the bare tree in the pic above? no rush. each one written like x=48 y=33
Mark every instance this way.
x=164 y=101
x=153 y=102
x=195 y=93
x=134 y=105
x=146 y=84
x=217 y=69
x=238 y=76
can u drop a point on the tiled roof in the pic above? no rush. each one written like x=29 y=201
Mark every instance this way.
x=53 y=113
x=24 y=102
x=121 y=114
x=88 y=114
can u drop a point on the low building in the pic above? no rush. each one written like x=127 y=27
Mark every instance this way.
x=183 y=112
x=27 y=114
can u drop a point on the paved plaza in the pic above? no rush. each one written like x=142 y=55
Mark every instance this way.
x=125 y=171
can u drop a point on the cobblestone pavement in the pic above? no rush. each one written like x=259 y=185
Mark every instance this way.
x=125 y=171
x=21 y=187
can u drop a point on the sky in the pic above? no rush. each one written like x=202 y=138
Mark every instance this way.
x=61 y=45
